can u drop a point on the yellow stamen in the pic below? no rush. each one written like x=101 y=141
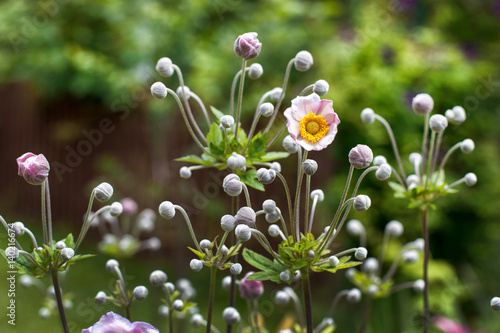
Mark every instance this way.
x=313 y=127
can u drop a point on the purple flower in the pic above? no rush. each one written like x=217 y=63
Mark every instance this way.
x=129 y=206
x=114 y=323
x=33 y=168
x=250 y=289
x=449 y=326
x=247 y=46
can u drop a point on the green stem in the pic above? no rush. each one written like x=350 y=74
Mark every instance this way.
x=306 y=289
x=300 y=176
x=211 y=297
x=60 y=305
x=84 y=226
x=240 y=98
x=393 y=142
x=49 y=213
x=426 y=267
x=424 y=141
x=366 y=315
x=283 y=89
x=289 y=201
x=44 y=215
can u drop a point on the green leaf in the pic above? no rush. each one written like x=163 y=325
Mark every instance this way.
x=274 y=155
x=69 y=241
x=250 y=178
x=257 y=146
x=257 y=260
x=200 y=255
x=215 y=140
x=396 y=187
x=264 y=275
x=191 y=159
x=217 y=113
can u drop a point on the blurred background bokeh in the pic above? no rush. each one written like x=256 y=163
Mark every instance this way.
x=74 y=85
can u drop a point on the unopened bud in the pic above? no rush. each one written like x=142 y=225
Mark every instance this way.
x=245 y=215
x=60 y=245
x=166 y=210
x=205 y=244
x=467 y=146
x=232 y=185
x=236 y=161
x=309 y=167
x=157 y=278
x=303 y=61
x=281 y=298
x=274 y=230
x=383 y=172
x=159 y=90
x=333 y=261
x=419 y=244
x=243 y=232
x=276 y=166
x=321 y=87
x=178 y=305
x=269 y=206
x=495 y=303
x=456 y=115
x=116 y=209
x=196 y=320
x=67 y=253
x=164 y=67
x=255 y=71
x=236 y=269
x=412 y=179
x=368 y=116
x=361 y=253
x=247 y=46
x=422 y=104
x=290 y=145
x=266 y=109
x=418 y=286
x=470 y=179
x=185 y=172
x=379 y=160
x=111 y=265
x=371 y=265
x=227 y=121
x=360 y=156
x=226 y=283
x=355 y=228
x=227 y=222
x=354 y=295
x=285 y=276
x=372 y=290
x=140 y=293
x=196 y=265
x=100 y=298
x=273 y=217
x=438 y=123
x=231 y=315
x=410 y=257
x=103 y=192
x=19 y=230
x=394 y=228
x=362 y=202
x=266 y=176
x=183 y=92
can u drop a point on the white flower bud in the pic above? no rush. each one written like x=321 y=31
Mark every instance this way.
x=360 y=156
x=44 y=312
x=285 y=276
x=100 y=298
x=415 y=158
x=18 y=228
x=226 y=283
x=273 y=217
x=281 y=297
x=164 y=67
x=196 y=265
x=25 y=280
x=362 y=202
x=103 y=192
x=159 y=90
x=318 y=193
x=67 y=253
x=303 y=61
x=410 y=257
x=459 y=115
x=311 y=254
x=309 y=167
x=255 y=71
x=236 y=161
x=419 y=244
x=276 y=94
x=227 y=222
x=178 y=305
x=227 y=121
x=266 y=176
x=467 y=146
x=379 y=160
x=371 y=265
x=368 y=116
x=422 y=104
x=232 y=185
x=361 y=253
x=355 y=228
x=231 y=315
x=153 y=243
x=111 y=264
x=495 y=303
x=269 y=206
x=140 y=293
x=394 y=228
x=170 y=287
x=236 y=269
x=116 y=209
x=266 y=109
x=245 y=215
x=296 y=276
x=418 y=286
x=166 y=210
x=354 y=295
x=383 y=172
x=196 y=320
x=273 y=230
x=438 y=123
x=350 y=272
x=412 y=179
x=290 y=145
x=180 y=92
x=372 y=290
x=333 y=261
x=163 y=310
x=60 y=245
x=12 y=253
x=185 y=172
x=157 y=278
x=205 y=244
x=470 y=179
x=276 y=166
x=321 y=87
x=243 y=232
x=224 y=250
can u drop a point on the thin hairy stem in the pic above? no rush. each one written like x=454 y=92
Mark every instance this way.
x=424 y=142
x=240 y=99
x=335 y=301
x=393 y=142
x=300 y=176
x=306 y=289
x=202 y=106
x=289 y=201
x=283 y=89
x=44 y=215
x=448 y=153
x=211 y=297
x=190 y=227
x=298 y=306
x=86 y=221
x=426 y=267
x=306 y=205
x=60 y=305
x=233 y=89
x=49 y=213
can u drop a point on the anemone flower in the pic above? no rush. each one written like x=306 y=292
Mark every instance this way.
x=112 y=322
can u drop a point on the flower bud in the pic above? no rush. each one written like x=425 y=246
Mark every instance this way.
x=361 y=253
x=224 y=250
x=170 y=287
x=166 y=210
x=178 y=305
x=100 y=298
x=281 y=298
x=153 y=243
x=303 y=61
x=467 y=146
x=275 y=94
x=231 y=315
x=422 y=104
x=236 y=269
x=250 y=289
x=394 y=228
x=226 y=282
x=415 y=158
x=247 y=46
x=276 y=166
x=232 y=185
x=227 y=121
x=163 y=310
x=495 y=303
x=362 y=202
x=274 y=230
x=290 y=145
x=350 y=272
x=44 y=312
x=456 y=115
x=33 y=168
x=159 y=90
x=269 y=206
x=185 y=172
x=418 y=286
x=140 y=293
x=18 y=228
x=470 y=179
x=157 y=278
x=111 y=264
x=379 y=160
x=266 y=109
x=181 y=92
x=410 y=257
x=438 y=123
x=103 y=192
x=372 y=290
x=236 y=161
x=245 y=215
x=164 y=67
x=354 y=295
x=355 y=228
x=67 y=253
x=309 y=167
x=285 y=276
x=196 y=320
x=266 y=176
x=227 y=222
x=273 y=217
x=26 y=280
x=368 y=116
x=12 y=253
x=360 y=156
x=419 y=244
x=243 y=232
x=205 y=244
x=196 y=265
x=383 y=172
x=412 y=179
x=371 y=265
x=255 y=71
x=321 y=87
x=60 y=245
x=116 y=209
x=333 y=261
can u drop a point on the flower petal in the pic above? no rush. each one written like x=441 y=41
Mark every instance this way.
x=325 y=109
x=292 y=124
x=302 y=105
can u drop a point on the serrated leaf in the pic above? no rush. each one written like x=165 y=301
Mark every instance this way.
x=263 y=276
x=217 y=113
x=191 y=159
x=250 y=178
x=215 y=140
x=257 y=146
x=273 y=156
x=199 y=254
x=257 y=260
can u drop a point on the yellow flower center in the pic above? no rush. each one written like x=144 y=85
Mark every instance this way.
x=313 y=127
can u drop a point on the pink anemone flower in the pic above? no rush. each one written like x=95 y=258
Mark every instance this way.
x=112 y=322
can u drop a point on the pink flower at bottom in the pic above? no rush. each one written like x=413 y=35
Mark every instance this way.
x=312 y=122
x=114 y=323
x=449 y=326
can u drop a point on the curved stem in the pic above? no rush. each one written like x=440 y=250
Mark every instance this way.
x=60 y=305
x=247 y=195
x=300 y=176
x=190 y=227
x=298 y=307
x=448 y=153
x=307 y=90
x=86 y=222
x=240 y=99
x=33 y=239
x=335 y=301
x=233 y=88
x=313 y=210
x=424 y=141
x=211 y=297
x=277 y=135
x=393 y=142
x=289 y=201
x=306 y=205
x=87 y=225
x=252 y=129
x=202 y=106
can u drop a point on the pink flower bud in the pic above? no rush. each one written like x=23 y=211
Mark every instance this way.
x=129 y=206
x=247 y=46
x=33 y=168
x=250 y=289
x=360 y=156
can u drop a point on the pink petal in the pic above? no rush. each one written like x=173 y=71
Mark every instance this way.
x=302 y=105
x=292 y=124
x=21 y=160
x=326 y=110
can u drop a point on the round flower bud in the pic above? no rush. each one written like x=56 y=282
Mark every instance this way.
x=285 y=276
x=276 y=166
x=67 y=253
x=459 y=115
x=371 y=265
x=438 y=123
x=361 y=253
x=236 y=269
x=140 y=293
x=419 y=244
x=196 y=320
x=290 y=145
x=205 y=244
x=243 y=232
x=226 y=282
x=415 y=158
x=360 y=156
x=247 y=46
x=410 y=257
x=227 y=222
x=354 y=295
x=470 y=179
x=232 y=185
x=273 y=217
x=33 y=168
x=309 y=167
x=170 y=287
x=231 y=315
x=166 y=210
x=467 y=146
x=250 y=289
x=159 y=90
x=185 y=172
x=355 y=228
x=44 y=312
x=178 y=305
x=412 y=179
x=495 y=303
x=153 y=243
x=319 y=194
x=418 y=286
x=60 y=245
x=321 y=87
x=383 y=172
x=111 y=264
x=12 y=253
x=311 y=254
x=281 y=298
x=26 y=281
x=18 y=228
x=362 y=202
x=157 y=278
x=103 y=192
x=379 y=160
x=224 y=250
x=266 y=176
x=266 y=109
x=196 y=265
x=273 y=230
x=422 y=104
x=368 y=116
x=255 y=71
x=236 y=161
x=269 y=206
x=333 y=261
x=227 y=121
x=116 y=209
x=372 y=290
x=350 y=272
x=164 y=67
x=303 y=61
x=100 y=298
x=394 y=228
x=180 y=92
x=276 y=94
x=163 y=310
x=245 y=215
